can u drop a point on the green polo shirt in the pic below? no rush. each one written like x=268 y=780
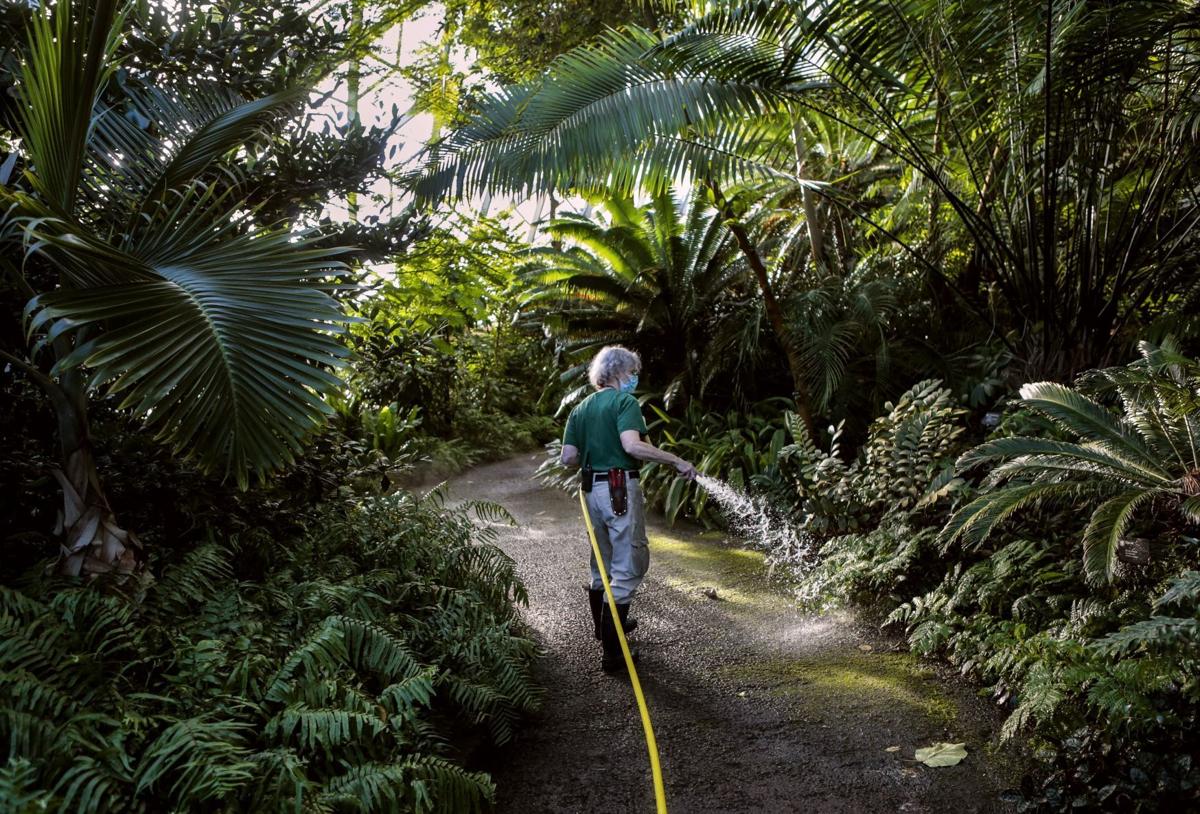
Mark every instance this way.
x=595 y=426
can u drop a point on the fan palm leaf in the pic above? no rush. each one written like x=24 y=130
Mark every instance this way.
x=219 y=332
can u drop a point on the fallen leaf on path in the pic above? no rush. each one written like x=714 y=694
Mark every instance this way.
x=942 y=754
x=892 y=749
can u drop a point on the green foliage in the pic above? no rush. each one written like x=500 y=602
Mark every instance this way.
x=439 y=336
x=1104 y=672
x=1119 y=466
x=331 y=671
x=150 y=261
x=903 y=466
x=1021 y=136
x=741 y=448
x=660 y=278
x=515 y=40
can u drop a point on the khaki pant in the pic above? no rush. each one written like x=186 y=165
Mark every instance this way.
x=622 y=540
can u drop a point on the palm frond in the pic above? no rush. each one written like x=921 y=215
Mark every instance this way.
x=222 y=341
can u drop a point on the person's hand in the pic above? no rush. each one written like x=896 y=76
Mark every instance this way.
x=686 y=469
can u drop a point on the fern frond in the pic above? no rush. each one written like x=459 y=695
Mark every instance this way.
x=324 y=650
x=1184 y=592
x=20 y=790
x=1158 y=634
x=323 y=729
x=196 y=759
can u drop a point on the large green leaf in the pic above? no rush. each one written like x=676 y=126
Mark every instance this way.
x=222 y=341
x=1078 y=414
x=215 y=330
x=69 y=59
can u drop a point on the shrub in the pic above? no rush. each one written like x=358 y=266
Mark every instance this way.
x=741 y=448
x=1095 y=659
x=905 y=464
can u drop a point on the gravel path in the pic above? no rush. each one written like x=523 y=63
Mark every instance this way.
x=757 y=706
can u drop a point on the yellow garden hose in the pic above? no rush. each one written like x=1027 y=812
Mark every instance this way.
x=660 y=794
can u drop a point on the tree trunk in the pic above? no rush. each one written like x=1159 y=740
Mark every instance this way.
x=771 y=306
x=91 y=542
x=812 y=215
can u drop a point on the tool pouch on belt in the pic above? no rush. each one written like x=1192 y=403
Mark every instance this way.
x=618 y=491
x=587 y=476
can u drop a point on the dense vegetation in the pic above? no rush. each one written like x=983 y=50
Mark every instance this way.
x=920 y=208
x=215 y=592
x=921 y=274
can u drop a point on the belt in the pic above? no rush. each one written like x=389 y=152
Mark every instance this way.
x=602 y=477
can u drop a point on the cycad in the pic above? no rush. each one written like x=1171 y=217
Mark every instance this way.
x=154 y=279
x=1121 y=465
x=651 y=277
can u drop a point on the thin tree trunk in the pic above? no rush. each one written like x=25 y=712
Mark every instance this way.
x=812 y=215
x=771 y=305
x=353 y=79
x=91 y=541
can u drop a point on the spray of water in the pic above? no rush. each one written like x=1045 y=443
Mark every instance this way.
x=759 y=523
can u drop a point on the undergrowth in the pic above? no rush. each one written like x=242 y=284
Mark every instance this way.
x=1024 y=584
x=348 y=669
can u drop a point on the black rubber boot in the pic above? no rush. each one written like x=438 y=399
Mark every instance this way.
x=614 y=660
x=597 y=600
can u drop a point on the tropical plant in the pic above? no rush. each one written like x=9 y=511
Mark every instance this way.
x=1119 y=467
x=657 y=277
x=271 y=674
x=739 y=447
x=905 y=465
x=1061 y=150
x=143 y=275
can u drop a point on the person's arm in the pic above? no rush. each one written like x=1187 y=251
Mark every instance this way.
x=632 y=441
x=570 y=443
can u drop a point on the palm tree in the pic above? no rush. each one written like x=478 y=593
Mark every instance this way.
x=147 y=276
x=1122 y=464
x=1058 y=137
x=652 y=277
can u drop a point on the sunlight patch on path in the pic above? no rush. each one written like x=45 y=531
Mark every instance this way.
x=694 y=566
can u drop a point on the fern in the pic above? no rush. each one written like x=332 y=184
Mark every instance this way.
x=19 y=789
x=194 y=760
x=318 y=686
x=323 y=729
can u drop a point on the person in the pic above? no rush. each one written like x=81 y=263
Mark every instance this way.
x=606 y=432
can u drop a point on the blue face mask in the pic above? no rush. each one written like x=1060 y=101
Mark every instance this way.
x=630 y=384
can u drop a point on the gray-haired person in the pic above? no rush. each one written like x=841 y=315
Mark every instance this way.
x=606 y=436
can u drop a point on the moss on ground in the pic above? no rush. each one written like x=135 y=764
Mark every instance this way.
x=839 y=680
x=834 y=679
x=699 y=562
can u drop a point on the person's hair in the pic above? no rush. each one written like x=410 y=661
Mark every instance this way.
x=610 y=363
